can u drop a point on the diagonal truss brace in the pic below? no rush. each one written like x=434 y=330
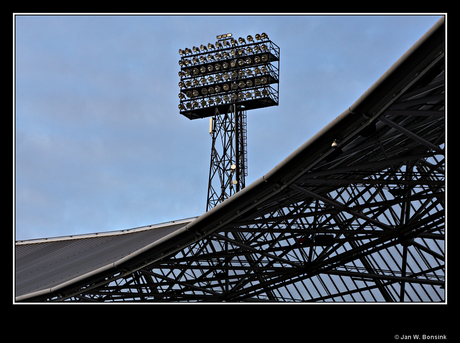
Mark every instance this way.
x=412 y=135
x=341 y=207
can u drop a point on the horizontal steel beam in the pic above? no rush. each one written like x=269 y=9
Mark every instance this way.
x=261 y=252
x=371 y=166
x=349 y=181
x=385 y=277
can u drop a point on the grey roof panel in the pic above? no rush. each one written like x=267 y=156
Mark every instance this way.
x=48 y=264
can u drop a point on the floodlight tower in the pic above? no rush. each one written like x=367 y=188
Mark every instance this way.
x=222 y=81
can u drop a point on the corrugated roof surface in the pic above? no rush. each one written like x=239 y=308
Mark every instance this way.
x=43 y=265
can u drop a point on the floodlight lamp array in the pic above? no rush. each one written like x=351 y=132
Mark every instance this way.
x=231 y=71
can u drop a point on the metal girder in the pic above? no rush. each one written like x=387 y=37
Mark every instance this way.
x=412 y=135
x=342 y=207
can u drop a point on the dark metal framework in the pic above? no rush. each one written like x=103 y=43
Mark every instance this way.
x=228 y=167
x=357 y=214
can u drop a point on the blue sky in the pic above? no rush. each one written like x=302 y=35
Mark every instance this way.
x=100 y=144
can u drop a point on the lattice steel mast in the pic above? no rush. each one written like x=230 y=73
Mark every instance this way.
x=223 y=81
x=228 y=167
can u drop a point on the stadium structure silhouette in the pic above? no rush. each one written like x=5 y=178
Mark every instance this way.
x=355 y=214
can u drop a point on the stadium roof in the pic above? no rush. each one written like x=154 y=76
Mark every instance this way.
x=378 y=194
x=47 y=265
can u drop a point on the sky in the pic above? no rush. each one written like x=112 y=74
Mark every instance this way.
x=99 y=141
